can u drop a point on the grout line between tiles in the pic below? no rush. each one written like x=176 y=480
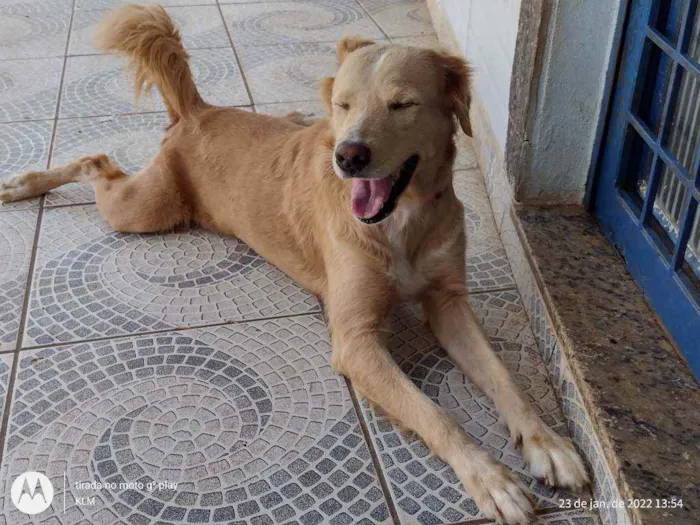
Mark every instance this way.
x=373 y=20
x=134 y=113
x=98 y=54
x=168 y=7
x=20 y=333
x=31 y=58
x=8 y=210
x=60 y=92
x=480 y=521
x=510 y=288
x=165 y=331
x=154 y=112
x=68 y=205
x=112 y=115
x=235 y=54
x=373 y=453
x=20 y=121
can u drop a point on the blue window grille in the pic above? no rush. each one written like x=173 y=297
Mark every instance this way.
x=648 y=184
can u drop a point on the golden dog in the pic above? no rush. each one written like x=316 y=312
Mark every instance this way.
x=358 y=208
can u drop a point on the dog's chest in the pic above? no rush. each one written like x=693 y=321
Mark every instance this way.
x=403 y=269
x=409 y=282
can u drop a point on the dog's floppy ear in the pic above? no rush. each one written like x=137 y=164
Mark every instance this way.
x=457 y=83
x=326 y=89
x=349 y=44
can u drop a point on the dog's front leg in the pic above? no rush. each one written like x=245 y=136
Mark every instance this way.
x=357 y=304
x=550 y=457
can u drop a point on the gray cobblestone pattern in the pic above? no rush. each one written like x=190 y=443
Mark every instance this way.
x=34 y=28
x=16 y=239
x=201 y=27
x=186 y=358
x=91 y=282
x=299 y=21
x=29 y=88
x=24 y=146
x=248 y=420
x=487 y=262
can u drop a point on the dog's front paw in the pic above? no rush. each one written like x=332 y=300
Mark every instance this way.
x=554 y=460
x=498 y=493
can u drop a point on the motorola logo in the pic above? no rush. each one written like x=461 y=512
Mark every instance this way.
x=32 y=492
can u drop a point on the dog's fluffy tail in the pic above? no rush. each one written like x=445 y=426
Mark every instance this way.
x=147 y=36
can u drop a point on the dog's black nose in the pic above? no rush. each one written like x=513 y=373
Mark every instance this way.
x=352 y=157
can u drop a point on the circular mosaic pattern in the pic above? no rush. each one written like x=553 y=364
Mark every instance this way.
x=217 y=77
x=197 y=261
x=123 y=284
x=200 y=27
x=289 y=72
x=400 y=17
x=29 y=88
x=472 y=220
x=487 y=263
x=293 y=22
x=258 y=24
x=16 y=234
x=24 y=146
x=97 y=84
x=103 y=92
x=7 y=83
x=27 y=22
x=243 y=422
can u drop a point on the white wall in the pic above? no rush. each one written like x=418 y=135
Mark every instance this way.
x=486 y=31
x=562 y=116
x=574 y=76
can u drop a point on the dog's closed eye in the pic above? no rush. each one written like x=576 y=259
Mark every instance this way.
x=398 y=106
x=342 y=105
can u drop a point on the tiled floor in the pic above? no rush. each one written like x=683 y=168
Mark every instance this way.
x=186 y=358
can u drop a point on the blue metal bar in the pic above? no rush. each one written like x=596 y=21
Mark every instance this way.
x=652 y=189
x=662 y=153
x=675 y=166
x=686 y=28
x=660 y=40
x=696 y=168
x=686 y=227
x=667 y=111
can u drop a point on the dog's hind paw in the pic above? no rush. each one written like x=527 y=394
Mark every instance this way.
x=19 y=187
x=302 y=119
x=554 y=460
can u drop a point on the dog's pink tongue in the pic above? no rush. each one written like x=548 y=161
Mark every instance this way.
x=368 y=196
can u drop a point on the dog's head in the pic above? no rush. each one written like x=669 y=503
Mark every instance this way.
x=392 y=111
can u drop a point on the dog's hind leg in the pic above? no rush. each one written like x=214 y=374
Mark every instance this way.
x=145 y=202
x=35 y=183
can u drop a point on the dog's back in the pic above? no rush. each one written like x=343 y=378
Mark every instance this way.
x=216 y=157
